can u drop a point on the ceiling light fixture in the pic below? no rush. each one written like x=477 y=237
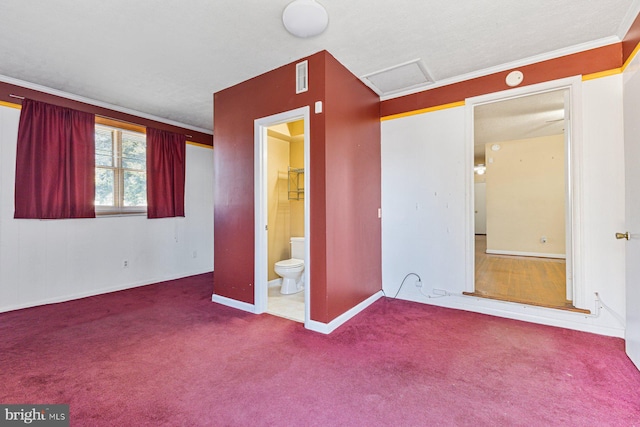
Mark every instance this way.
x=305 y=18
x=480 y=169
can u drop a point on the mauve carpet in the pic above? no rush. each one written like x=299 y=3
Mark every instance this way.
x=164 y=354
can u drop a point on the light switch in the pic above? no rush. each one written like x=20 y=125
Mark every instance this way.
x=318 y=107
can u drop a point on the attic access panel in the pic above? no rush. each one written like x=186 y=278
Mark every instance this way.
x=401 y=77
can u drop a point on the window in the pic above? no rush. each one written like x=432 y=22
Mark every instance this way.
x=121 y=170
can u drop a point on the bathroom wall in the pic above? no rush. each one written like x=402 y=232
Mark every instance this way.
x=296 y=156
x=344 y=174
x=279 y=209
x=235 y=110
x=525 y=194
x=353 y=182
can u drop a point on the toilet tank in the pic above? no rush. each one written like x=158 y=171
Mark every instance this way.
x=297 y=247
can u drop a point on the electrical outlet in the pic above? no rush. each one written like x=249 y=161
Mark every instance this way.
x=440 y=292
x=125 y=263
x=195 y=254
x=418 y=283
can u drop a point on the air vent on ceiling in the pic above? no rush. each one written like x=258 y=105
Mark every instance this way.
x=401 y=77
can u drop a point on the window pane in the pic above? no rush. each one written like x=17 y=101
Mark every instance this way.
x=104 y=187
x=135 y=188
x=104 y=147
x=134 y=154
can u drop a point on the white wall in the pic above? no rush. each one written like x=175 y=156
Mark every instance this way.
x=424 y=220
x=57 y=260
x=604 y=191
x=423 y=201
x=525 y=197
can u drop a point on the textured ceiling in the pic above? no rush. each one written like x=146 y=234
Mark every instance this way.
x=525 y=117
x=168 y=58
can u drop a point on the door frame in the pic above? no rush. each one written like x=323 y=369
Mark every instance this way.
x=573 y=168
x=261 y=285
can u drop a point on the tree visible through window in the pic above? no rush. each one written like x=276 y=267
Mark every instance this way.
x=121 y=177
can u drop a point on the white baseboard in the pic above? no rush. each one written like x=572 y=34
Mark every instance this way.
x=327 y=328
x=527 y=313
x=531 y=254
x=240 y=305
x=100 y=291
x=275 y=282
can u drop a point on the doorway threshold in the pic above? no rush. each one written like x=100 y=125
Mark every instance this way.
x=567 y=306
x=288 y=306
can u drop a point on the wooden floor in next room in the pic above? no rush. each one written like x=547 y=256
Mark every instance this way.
x=527 y=280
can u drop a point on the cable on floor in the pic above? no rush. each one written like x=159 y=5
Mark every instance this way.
x=403 y=280
x=600 y=303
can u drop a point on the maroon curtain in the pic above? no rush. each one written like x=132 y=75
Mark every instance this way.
x=55 y=163
x=165 y=173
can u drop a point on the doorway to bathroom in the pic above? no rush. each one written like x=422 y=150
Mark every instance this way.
x=282 y=215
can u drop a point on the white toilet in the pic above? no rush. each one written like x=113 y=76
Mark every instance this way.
x=291 y=269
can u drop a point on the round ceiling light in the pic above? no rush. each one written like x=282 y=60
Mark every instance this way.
x=305 y=18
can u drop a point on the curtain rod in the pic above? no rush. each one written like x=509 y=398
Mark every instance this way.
x=100 y=115
x=130 y=123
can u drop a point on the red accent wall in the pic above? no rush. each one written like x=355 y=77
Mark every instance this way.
x=631 y=39
x=345 y=244
x=353 y=192
x=587 y=62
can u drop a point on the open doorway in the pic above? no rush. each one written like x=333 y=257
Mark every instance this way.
x=523 y=199
x=285 y=220
x=282 y=215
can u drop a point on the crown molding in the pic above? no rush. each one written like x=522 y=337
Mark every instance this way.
x=74 y=97
x=628 y=19
x=508 y=66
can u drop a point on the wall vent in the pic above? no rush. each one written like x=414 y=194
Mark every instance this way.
x=302 y=76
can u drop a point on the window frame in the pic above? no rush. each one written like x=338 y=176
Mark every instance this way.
x=118 y=129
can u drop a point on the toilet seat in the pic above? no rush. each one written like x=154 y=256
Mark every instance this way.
x=288 y=264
